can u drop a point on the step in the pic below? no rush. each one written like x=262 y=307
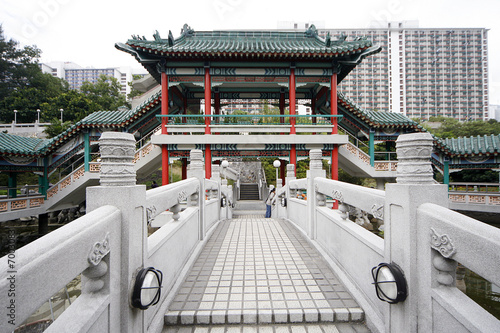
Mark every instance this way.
x=264 y=316
x=270 y=328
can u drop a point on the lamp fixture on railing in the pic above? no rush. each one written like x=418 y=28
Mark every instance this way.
x=390 y=283
x=277 y=164
x=147 y=288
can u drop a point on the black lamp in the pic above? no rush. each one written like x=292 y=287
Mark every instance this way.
x=390 y=283
x=147 y=288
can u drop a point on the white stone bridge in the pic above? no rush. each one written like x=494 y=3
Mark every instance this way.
x=309 y=268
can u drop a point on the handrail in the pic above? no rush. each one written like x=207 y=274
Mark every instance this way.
x=474 y=187
x=252 y=119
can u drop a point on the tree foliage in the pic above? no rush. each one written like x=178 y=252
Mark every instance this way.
x=134 y=92
x=452 y=128
x=105 y=93
x=23 y=87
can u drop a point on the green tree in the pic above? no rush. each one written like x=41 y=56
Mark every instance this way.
x=452 y=128
x=134 y=92
x=56 y=127
x=23 y=86
x=17 y=65
x=105 y=93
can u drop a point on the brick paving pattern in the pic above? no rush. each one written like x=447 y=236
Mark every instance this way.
x=261 y=271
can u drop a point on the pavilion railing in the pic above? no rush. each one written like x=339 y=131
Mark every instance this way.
x=249 y=119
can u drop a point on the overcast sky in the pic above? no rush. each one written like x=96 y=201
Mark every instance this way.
x=85 y=31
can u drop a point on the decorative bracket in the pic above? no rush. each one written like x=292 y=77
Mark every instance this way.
x=150 y=214
x=337 y=195
x=442 y=244
x=182 y=196
x=99 y=250
x=378 y=211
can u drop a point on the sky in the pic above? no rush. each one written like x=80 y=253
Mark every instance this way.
x=85 y=31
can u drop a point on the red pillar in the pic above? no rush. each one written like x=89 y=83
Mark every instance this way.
x=333 y=102
x=217 y=106
x=334 y=111
x=291 y=96
x=184 y=168
x=164 y=111
x=313 y=111
x=292 y=100
x=283 y=172
x=208 y=111
x=282 y=107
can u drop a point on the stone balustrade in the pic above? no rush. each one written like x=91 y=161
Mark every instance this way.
x=110 y=244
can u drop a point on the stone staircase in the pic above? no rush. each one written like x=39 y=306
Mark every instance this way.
x=249 y=192
x=249 y=207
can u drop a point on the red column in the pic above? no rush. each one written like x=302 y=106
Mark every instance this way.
x=292 y=100
x=334 y=111
x=282 y=107
x=313 y=111
x=208 y=111
x=164 y=111
x=333 y=102
x=184 y=168
x=217 y=106
x=291 y=97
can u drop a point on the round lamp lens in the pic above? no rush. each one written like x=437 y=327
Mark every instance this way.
x=387 y=283
x=149 y=289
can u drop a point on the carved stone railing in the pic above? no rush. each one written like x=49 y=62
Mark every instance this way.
x=421 y=236
x=444 y=239
x=83 y=246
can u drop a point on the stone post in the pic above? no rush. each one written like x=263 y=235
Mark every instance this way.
x=118 y=188
x=290 y=175
x=414 y=187
x=315 y=170
x=216 y=173
x=196 y=170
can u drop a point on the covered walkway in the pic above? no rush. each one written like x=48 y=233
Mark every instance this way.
x=263 y=271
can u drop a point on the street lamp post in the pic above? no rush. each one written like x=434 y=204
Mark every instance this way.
x=277 y=164
x=15 y=116
x=61 y=115
x=38 y=112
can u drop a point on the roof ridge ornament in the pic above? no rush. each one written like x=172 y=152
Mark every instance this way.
x=187 y=30
x=171 y=39
x=328 y=40
x=156 y=36
x=341 y=39
x=311 y=31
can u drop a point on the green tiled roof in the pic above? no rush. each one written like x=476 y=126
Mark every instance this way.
x=230 y=46
x=377 y=118
x=19 y=145
x=474 y=145
x=265 y=43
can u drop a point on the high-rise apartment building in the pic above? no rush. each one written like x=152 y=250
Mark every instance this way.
x=421 y=72
x=75 y=75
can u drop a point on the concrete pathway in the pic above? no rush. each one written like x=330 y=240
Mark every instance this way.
x=261 y=271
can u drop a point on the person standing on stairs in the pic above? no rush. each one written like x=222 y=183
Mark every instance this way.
x=270 y=201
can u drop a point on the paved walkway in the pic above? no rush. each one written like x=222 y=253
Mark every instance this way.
x=261 y=271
